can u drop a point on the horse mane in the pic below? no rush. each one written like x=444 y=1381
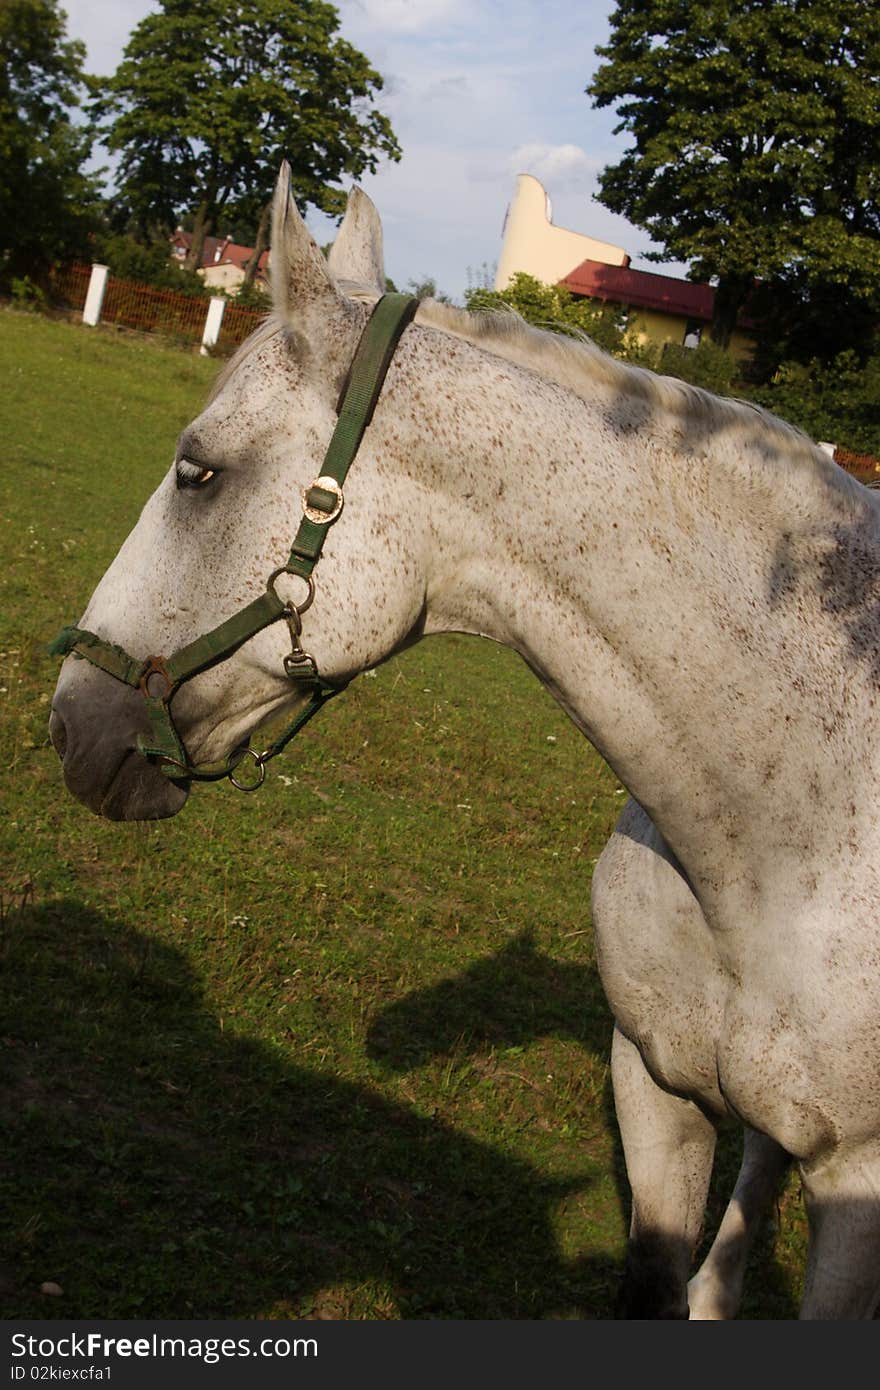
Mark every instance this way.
x=574 y=361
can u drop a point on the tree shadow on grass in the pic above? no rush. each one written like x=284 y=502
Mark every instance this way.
x=158 y=1166
x=519 y=995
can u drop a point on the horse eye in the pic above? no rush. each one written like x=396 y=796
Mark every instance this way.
x=189 y=474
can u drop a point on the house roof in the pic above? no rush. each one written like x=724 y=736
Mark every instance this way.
x=220 y=251
x=642 y=289
x=233 y=254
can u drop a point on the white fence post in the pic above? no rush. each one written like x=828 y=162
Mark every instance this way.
x=213 y=320
x=95 y=295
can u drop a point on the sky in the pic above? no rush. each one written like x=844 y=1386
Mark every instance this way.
x=477 y=91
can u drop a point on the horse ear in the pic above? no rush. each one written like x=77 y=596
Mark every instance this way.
x=301 y=280
x=357 y=252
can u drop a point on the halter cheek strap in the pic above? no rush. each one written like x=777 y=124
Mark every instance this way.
x=158 y=678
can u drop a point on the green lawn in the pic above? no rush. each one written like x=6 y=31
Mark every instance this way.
x=338 y=1049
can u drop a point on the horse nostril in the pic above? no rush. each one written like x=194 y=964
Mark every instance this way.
x=58 y=734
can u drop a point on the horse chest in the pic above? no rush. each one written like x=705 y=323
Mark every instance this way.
x=657 y=959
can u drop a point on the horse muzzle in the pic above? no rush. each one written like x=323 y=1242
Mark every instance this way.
x=94 y=727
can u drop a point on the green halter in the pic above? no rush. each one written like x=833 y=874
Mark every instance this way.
x=322 y=504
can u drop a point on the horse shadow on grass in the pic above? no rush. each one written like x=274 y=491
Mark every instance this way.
x=161 y=1166
x=518 y=996
x=511 y=998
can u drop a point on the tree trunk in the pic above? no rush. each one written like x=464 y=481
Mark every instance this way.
x=261 y=245
x=730 y=296
x=201 y=228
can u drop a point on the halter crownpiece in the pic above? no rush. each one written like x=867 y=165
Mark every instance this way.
x=158 y=677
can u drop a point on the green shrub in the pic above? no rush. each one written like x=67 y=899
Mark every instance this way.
x=548 y=306
x=837 y=402
x=26 y=294
x=253 y=296
x=708 y=366
x=147 y=263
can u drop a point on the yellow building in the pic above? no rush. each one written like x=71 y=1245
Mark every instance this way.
x=660 y=308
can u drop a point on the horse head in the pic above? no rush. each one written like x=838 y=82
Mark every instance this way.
x=220 y=525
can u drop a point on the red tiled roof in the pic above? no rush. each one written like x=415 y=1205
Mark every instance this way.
x=232 y=254
x=220 y=251
x=209 y=250
x=642 y=289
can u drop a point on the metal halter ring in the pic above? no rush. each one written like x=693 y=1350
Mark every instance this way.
x=260 y=766
x=155 y=666
x=306 y=579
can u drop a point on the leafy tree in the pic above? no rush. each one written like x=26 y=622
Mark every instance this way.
x=210 y=97
x=549 y=306
x=803 y=319
x=756 y=139
x=47 y=203
x=426 y=288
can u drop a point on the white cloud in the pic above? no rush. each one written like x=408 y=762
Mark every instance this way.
x=477 y=92
x=557 y=166
x=408 y=16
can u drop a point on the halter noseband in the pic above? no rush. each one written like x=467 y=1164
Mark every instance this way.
x=158 y=678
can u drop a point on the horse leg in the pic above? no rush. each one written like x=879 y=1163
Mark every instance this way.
x=716 y=1289
x=843 y=1267
x=669 y=1145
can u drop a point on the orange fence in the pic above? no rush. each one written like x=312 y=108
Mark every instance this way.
x=153 y=310
x=69 y=284
x=237 y=324
x=865 y=467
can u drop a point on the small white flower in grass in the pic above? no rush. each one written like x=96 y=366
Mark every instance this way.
x=551 y=738
x=620 y=791
x=462 y=806
x=287 y=781
x=371 y=674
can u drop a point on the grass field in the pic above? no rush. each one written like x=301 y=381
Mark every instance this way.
x=335 y=1050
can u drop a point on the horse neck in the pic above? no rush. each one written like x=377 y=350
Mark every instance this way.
x=638 y=564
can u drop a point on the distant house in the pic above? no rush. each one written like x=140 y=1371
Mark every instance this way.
x=223 y=261
x=660 y=308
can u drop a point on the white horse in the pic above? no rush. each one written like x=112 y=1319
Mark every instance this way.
x=699 y=587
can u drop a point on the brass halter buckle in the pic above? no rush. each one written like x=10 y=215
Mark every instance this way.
x=322 y=501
